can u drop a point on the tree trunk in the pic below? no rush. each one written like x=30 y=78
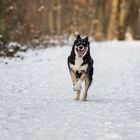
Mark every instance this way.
x=3 y=22
x=123 y=12
x=58 y=18
x=51 y=17
x=113 y=22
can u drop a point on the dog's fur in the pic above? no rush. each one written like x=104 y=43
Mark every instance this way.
x=80 y=65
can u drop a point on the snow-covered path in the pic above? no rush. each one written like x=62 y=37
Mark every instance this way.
x=36 y=97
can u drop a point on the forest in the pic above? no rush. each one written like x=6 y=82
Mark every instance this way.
x=25 y=20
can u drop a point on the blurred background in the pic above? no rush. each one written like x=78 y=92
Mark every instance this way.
x=26 y=20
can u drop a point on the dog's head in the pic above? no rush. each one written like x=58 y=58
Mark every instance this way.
x=81 y=46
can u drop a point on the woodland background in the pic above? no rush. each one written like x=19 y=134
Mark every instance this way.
x=25 y=20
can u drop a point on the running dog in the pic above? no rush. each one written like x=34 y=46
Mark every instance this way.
x=80 y=64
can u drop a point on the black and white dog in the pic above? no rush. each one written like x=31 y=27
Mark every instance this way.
x=80 y=65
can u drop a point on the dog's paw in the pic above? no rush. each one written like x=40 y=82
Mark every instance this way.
x=77 y=87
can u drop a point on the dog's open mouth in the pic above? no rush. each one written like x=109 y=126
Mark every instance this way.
x=81 y=52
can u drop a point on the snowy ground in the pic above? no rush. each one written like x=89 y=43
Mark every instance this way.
x=36 y=97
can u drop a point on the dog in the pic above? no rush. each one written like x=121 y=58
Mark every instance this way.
x=80 y=65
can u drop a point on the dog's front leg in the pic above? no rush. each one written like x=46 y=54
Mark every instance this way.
x=74 y=80
x=73 y=77
x=78 y=84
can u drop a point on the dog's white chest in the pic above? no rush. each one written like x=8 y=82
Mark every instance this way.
x=78 y=61
x=77 y=66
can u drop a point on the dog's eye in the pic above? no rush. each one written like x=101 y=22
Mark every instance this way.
x=84 y=43
x=78 y=42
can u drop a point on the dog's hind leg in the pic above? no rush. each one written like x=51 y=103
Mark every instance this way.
x=87 y=85
x=88 y=82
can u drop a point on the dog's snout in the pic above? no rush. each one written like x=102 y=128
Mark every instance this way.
x=81 y=47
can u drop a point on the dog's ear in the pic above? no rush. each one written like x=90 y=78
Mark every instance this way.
x=86 y=38
x=78 y=37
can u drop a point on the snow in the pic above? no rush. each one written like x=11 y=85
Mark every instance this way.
x=36 y=97
x=13 y=44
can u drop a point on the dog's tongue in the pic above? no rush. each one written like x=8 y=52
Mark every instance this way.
x=81 y=52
